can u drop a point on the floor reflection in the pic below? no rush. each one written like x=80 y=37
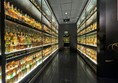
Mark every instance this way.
x=68 y=67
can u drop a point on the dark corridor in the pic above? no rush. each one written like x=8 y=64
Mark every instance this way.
x=67 y=67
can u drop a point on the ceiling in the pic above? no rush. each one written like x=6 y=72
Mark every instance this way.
x=67 y=9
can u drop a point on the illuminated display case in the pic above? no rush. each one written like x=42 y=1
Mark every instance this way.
x=31 y=38
x=0 y=56
x=87 y=32
x=46 y=9
x=0 y=45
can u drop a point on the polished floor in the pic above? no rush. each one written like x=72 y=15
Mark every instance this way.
x=68 y=67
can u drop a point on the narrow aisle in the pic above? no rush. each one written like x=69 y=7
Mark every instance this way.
x=66 y=67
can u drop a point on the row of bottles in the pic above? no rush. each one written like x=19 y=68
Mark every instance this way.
x=46 y=40
x=19 y=37
x=53 y=28
x=16 y=69
x=49 y=40
x=88 y=40
x=54 y=33
x=54 y=40
x=89 y=52
x=92 y=11
x=89 y=28
x=47 y=51
x=15 y=13
x=46 y=13
x=87 y=21
x=87 y=31
x=91 y=19
x=46 y=29
x=54 y=47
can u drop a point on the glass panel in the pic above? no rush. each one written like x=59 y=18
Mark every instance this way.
x=46 y=21
x=88 y=52
x=91 y=19
x=46 y=9
x=78 y=23
x=91 y=39
x=87 y=31
x=21 y=40
x=81 y=27
x=54 y=22
x=91 y=4
x=16 y=14
x=18 y=37
x=46 y=52
x=82 y=17
x=37 y=3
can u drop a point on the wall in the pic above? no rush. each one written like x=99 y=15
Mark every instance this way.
x=108 y=32
x=111 y=34
x=72 y=29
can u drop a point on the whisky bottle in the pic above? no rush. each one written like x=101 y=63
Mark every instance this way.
x=7 y=42
x=7 y=8
x=15 y=41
